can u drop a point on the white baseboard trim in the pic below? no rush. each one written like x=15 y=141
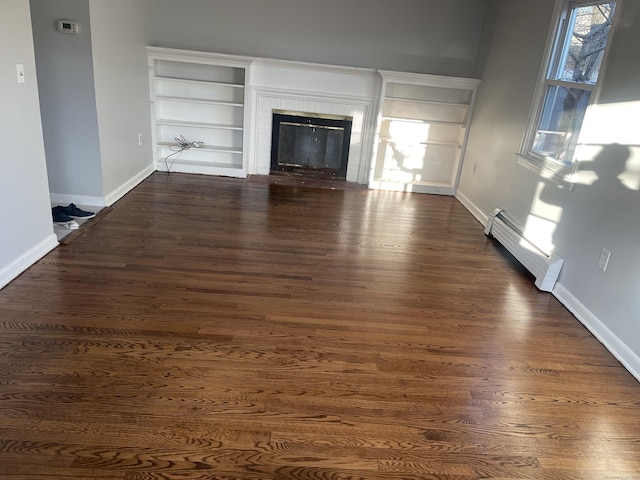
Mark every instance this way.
x=109 y=199
x=122 y=190
x=19 y=265
x=83 y=200
x=617 y=347
x=473 y=209
x=620 y=350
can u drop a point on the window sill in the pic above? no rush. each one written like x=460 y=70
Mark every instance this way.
x=548 y=169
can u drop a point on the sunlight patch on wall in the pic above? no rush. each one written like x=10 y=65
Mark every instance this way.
x=544 y=216
x=611 y=123
x=611 y=128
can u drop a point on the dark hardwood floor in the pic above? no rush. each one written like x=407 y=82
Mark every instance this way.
x=210 y=328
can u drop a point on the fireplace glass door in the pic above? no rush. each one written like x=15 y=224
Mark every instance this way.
x=310 y=145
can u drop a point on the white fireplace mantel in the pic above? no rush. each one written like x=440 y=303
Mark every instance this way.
x=318 y=89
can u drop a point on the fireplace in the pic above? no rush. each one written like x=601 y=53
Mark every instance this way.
x=308 y=144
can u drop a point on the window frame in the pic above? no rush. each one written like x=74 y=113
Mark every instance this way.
x=551 y=168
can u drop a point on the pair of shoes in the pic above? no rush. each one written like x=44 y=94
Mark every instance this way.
x=76 y=213
x=61 y=218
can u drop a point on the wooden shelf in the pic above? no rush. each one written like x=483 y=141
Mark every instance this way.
x=182 y=123
x=187 y=161
x=200 y=82
x=416 y=112
x=204 y=148
x=415 y=182
x=427 y=143
x=428 y=102
x=423 y=121
x=200 y=100
x=203 y=98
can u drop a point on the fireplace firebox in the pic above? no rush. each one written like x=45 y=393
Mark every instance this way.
x=308 y=144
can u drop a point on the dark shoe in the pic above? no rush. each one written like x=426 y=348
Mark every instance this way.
x=60 y=217
x=74 y=212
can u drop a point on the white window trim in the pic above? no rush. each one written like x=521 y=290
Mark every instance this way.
x=546 y=167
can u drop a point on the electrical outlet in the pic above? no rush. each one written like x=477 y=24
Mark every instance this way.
x=140 y=139
x=603 y=261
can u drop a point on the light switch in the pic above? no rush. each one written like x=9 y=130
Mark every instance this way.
x=20 y=72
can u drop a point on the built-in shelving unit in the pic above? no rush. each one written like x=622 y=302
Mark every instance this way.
x=422 y=131
x=201 y=98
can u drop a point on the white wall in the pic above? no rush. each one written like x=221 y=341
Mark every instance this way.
x=120 y=30
x=27 y=231
x=424 y=36
x=68 y=102
x=596 y=214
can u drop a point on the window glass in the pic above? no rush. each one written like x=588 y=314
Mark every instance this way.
x=560 y=121
x=574 y=66
x=585 y=42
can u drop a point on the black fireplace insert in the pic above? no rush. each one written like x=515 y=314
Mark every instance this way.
x=310 y=145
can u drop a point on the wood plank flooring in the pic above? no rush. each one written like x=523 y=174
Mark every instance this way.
x=211 y=328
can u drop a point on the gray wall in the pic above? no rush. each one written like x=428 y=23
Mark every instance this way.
x=67 y=99
x=424 y=36
x=120 y=31
x=27 y=231
x=602 y=210
x=94 y=95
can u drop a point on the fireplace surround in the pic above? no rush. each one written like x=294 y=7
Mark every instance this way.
x=322 y=91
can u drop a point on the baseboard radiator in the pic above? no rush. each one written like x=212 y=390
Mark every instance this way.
x=542 y=266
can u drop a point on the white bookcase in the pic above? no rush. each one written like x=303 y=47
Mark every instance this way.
x=202 y=98
x=422 y=131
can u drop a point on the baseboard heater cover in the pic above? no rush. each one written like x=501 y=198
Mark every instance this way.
x=545 y=268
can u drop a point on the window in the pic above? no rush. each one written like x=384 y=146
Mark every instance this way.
x=570 y=80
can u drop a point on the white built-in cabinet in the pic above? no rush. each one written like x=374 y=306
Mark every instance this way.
x=201 y=98
x=421 y=133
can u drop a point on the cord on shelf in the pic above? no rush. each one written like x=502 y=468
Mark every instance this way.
x=180 y=146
